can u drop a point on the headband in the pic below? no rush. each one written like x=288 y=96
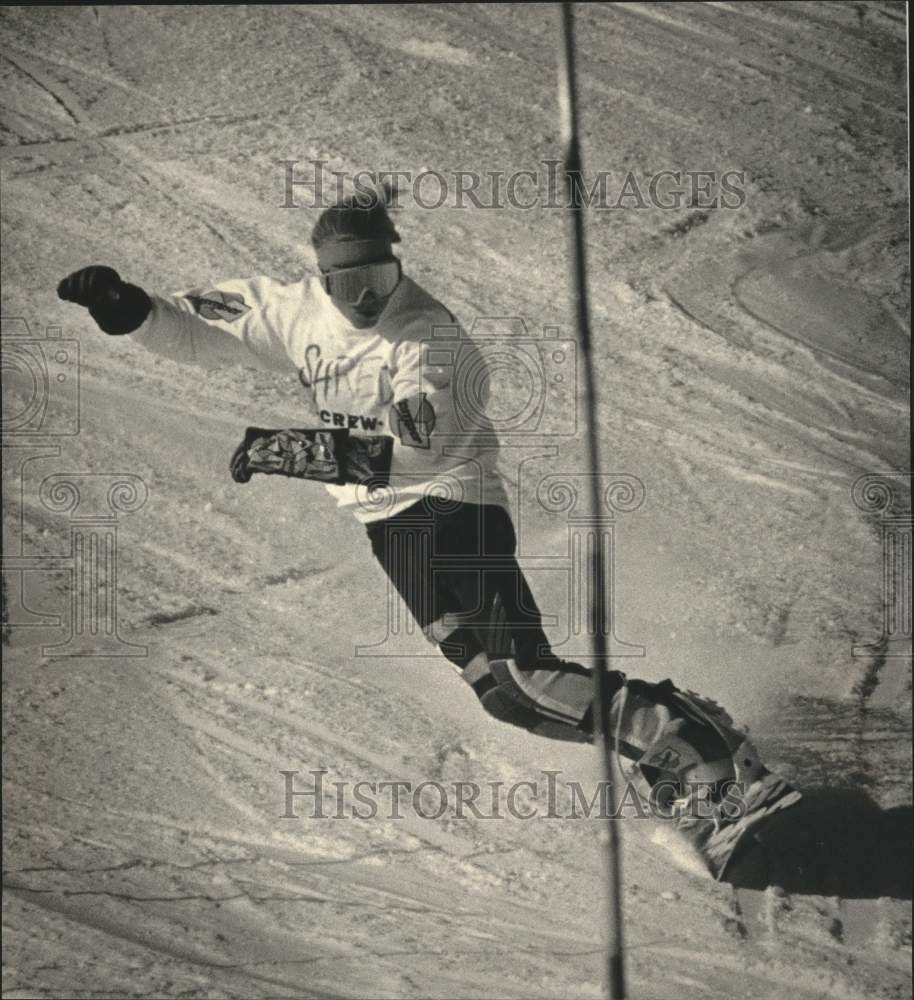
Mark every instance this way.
x=350 y=253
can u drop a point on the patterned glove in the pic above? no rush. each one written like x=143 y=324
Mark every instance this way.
x=238 y=466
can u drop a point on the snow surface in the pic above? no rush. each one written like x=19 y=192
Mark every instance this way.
x=752 y=364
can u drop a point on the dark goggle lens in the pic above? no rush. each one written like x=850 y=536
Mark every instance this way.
x=349 y=284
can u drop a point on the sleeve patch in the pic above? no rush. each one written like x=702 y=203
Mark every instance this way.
x=226 y=306
x=413 y=420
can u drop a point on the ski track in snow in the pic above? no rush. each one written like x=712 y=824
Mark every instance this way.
x=144 y=849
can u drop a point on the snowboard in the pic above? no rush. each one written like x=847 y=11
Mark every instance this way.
x=720 y=843
x=726 y=842
x=833 y=842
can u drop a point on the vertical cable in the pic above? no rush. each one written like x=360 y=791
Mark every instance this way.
x=574 y=187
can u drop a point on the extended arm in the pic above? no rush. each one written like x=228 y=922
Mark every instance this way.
x=225 y=326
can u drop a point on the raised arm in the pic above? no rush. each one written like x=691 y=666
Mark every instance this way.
x=226 y=325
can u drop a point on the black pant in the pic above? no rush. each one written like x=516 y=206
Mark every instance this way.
x=460 y=559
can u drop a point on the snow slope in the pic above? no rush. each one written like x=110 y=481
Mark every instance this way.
x=752 y=364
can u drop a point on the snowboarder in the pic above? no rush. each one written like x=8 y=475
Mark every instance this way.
x=387 y=432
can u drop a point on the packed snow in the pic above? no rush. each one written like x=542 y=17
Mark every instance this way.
x=752 y=365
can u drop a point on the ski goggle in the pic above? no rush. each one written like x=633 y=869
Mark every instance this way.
x=350 y=283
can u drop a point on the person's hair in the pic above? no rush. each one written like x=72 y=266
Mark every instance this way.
x=360 y=216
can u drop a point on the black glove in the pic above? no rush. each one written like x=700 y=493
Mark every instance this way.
x=117 y=307
x=240 y=470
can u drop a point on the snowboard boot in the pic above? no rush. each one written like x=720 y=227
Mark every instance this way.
x=691 y=767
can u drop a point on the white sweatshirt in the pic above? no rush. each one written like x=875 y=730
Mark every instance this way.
x=372 y=381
